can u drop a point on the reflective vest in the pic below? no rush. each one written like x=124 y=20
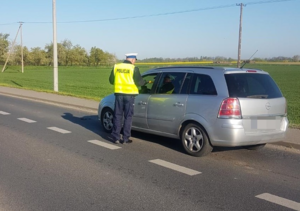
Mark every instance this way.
x=124 y=82
x=170 y=92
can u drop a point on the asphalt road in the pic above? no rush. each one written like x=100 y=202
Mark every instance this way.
x=54 y=158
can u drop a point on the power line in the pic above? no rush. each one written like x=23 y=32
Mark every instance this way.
x=8 y=23
x=265 y=2
x=143 y=16
x=155 y=15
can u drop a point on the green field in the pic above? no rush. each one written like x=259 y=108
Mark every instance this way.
x=92 y=82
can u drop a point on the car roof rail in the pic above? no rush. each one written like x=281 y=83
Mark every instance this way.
x=203 y=67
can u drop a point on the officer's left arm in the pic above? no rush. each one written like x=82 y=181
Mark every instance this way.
x=112 y=77
x=138 y=79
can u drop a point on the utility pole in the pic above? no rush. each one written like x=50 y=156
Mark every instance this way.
x=240 y=34
x=12 y=46
x=55 y=63
x=21 y=23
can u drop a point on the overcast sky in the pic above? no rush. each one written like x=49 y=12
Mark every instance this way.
x=160 y=28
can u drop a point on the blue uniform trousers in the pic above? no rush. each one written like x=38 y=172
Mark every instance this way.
x=124 y=107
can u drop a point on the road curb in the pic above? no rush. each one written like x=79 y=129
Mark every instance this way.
x=52 y=102
x=288 y=145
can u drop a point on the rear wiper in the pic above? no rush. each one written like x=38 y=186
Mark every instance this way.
x=257 y=96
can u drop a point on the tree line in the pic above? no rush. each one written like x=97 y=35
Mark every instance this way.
x=70 y=55
x=219 y=59
x=67 y=53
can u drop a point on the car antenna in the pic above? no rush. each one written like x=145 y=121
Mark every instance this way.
x=247 y=61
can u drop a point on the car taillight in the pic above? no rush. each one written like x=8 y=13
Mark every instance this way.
x=230 y=108
x=251 y=71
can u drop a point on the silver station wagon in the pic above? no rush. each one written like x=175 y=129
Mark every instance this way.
x=206 y=107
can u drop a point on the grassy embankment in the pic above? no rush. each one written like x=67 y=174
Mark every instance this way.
x=92 y=83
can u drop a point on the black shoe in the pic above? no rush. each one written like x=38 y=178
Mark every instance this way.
x=127 y=142
x=116 y=142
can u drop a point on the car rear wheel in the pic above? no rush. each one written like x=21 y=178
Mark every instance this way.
x=107 y=119
x=195 y=141
x=255 y=147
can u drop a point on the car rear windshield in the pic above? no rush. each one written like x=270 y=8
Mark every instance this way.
x=252 y=85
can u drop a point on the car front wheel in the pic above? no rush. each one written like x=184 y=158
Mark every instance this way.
x=195 y=140
x=107 y=119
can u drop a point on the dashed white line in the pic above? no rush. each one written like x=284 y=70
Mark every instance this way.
x=280 y=201
x=4 y=113
x=103 y=144
x=59 y=130
x=175 y=167
x=26 y=120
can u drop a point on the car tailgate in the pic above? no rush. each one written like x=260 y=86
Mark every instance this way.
x=263 y=115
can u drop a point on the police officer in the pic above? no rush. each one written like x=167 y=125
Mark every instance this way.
x=125 y=77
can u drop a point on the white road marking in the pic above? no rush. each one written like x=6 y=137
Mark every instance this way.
x=59 y=130
x=175 y=167
x=103 y=144
x=4 y=113
x=26 y=120
x=280 y=201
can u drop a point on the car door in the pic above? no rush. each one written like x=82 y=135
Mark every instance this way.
x=166 y=110
x=141 y=102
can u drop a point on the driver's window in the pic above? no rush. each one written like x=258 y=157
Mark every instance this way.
x=146 y=89
x=170 y=83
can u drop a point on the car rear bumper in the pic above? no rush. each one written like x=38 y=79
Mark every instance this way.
x=231 y=132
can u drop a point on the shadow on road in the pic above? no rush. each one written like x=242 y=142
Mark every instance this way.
x=92 y=124
x=174 y=144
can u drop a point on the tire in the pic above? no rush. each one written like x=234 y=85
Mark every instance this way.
x=255 y=147
x=107 y=119
x=195 y=141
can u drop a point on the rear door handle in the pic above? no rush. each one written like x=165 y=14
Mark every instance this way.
x=179 y=104
x=142 y=103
